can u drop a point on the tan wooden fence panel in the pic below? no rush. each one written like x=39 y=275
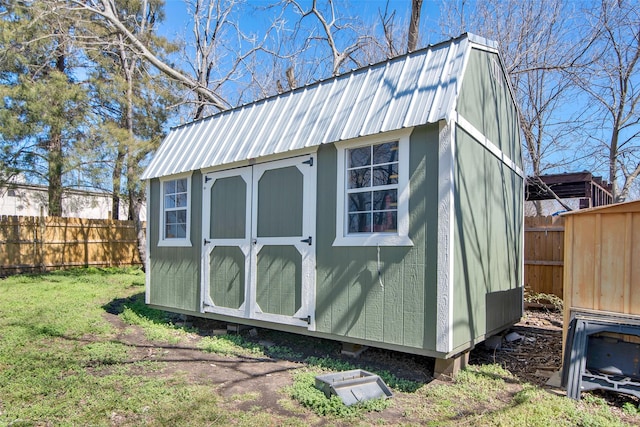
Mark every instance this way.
x=29 y=244
x=544 y=255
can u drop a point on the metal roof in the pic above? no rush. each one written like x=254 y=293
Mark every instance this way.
x=406 y=91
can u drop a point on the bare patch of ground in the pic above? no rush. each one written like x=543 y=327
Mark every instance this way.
x=250 y=382
x=535 y=353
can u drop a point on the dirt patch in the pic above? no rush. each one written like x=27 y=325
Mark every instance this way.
x=247 y=382
x=535 y=350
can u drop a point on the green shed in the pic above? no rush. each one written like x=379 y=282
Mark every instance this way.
x=381 y=207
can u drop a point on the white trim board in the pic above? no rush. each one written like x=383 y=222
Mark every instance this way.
x=485 y=142
x=446 y=222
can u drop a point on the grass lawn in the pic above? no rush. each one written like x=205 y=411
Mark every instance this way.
x=62 y=362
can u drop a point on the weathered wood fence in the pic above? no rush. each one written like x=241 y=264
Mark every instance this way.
x=33 y=244
x=544 y=254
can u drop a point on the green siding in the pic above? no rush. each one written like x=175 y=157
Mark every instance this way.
x=395 y=304
x=279 y=282
x=485 y=101
x=487 y=241
x=228 y=208
x=227 y=276
x=175 y=272
x=280 y=203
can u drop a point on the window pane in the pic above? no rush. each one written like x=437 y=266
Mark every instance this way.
x=385 y=200
x=170 y=231
x=169 y=187
x=385 y=221
x=181 y=216
x=360 y=223
x=359 y=157
x=181 y=185
x=385 y=153
x=360 y=178
x=170 y=217
x=181 y=231
x=359 y=202
x=385 y=175
x=181 y=200
x=169 y=202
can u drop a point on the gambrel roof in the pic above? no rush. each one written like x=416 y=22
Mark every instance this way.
x=410 y=90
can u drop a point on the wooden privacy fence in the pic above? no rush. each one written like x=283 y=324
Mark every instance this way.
x=544 y=254
x=31 y=244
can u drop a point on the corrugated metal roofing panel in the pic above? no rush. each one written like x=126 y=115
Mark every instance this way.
x=180 y=147
x=359 y=110
x=210 y=150
x=328 y=100
x=258 y=127
x=342 y=113
x=389 y=86
x=406 y=91
x=200 y=141
x=403 y=90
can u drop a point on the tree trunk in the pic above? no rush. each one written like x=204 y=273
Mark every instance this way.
x=135 y=198
x=141 y=234
x=55 y=157
x=55 y=173
x=414 y=25
x=613 y=162
x=116 y=178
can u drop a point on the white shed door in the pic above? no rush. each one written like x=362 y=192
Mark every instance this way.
x=258 y=228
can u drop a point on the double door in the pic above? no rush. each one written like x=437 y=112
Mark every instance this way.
x=258 y=260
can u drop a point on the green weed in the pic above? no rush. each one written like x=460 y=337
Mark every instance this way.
x=630 y=408
x=304 y=391
x=230 y=345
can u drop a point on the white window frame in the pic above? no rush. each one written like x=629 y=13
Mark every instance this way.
x=175 y=241
x=401 y=236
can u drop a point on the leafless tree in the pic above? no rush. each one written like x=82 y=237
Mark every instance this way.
x=389 y=30
x=329 y=24
x=612 y=83
x=107 y=12
x=538 y=47
x=224 y=52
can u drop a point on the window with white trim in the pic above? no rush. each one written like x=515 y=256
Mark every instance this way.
x=373 y=191
x=175 y=208
x=372 y=188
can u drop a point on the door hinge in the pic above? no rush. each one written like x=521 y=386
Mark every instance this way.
x=309 y=240
x=207 y=179
x=308 y=162
x=206 y=241
x=306 y=319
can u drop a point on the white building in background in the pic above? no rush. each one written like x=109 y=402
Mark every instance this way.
x=19 y=199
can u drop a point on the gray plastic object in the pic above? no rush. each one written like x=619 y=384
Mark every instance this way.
x=353 y=386
x=592 y=361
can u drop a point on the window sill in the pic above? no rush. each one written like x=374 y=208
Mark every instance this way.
x=373 y=240
x=178 y=243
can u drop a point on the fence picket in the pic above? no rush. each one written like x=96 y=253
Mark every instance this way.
x=34 y=244
x=544 y=255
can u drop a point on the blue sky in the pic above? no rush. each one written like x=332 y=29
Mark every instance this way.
x=177 y=18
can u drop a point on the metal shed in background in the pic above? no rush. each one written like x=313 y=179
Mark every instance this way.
x=602 y=299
